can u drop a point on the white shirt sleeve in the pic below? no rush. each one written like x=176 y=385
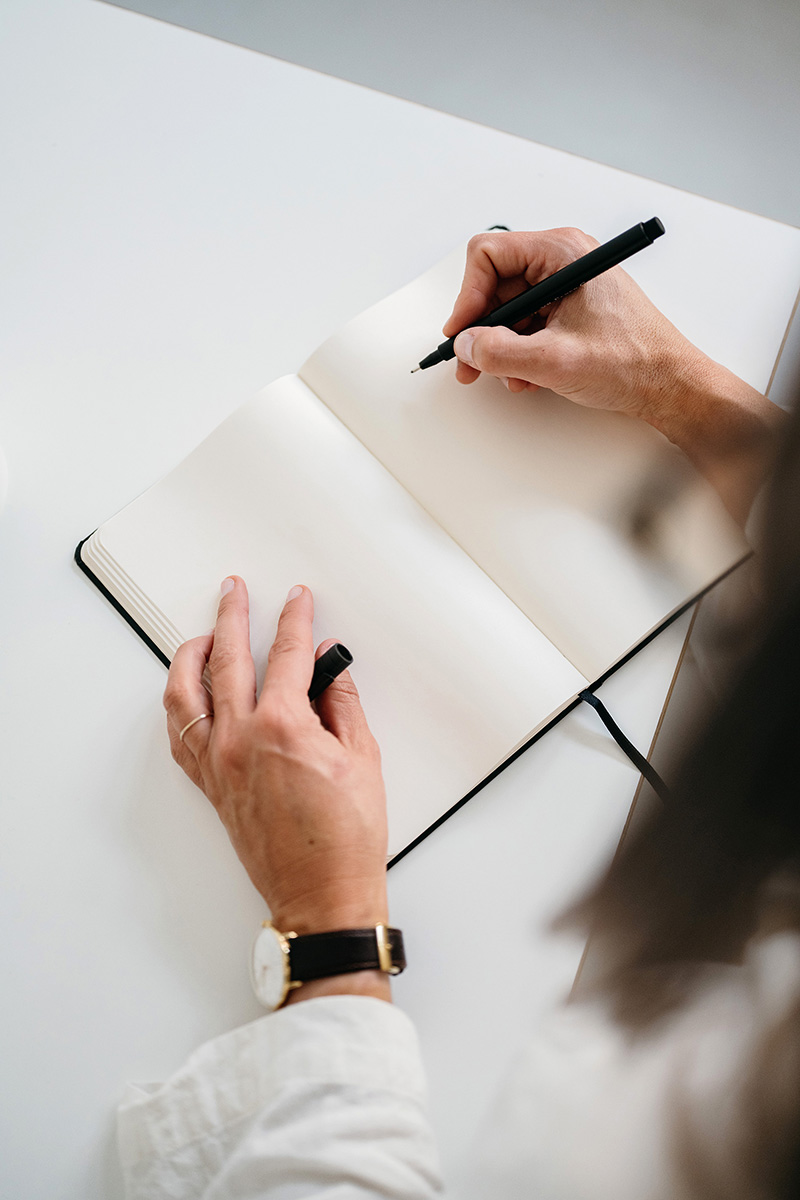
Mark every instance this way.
x=322 y=1098
x=326 y=1098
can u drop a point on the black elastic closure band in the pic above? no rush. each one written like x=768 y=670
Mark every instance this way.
x=626 y=746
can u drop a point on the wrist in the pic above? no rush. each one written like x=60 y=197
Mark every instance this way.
x=704 y=409
x=350 y=961
x=321 y=916
x=724 y=427
x=357 y=983
x=360 y=908
x=677 y=384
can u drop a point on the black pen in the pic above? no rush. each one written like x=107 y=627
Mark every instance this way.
x=337 y=658
x=557 y=286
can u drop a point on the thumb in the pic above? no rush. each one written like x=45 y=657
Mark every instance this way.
x=496 y=350
x=339 y=706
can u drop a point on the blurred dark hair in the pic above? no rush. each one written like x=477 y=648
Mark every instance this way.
x=720 y=860
x=685 y=886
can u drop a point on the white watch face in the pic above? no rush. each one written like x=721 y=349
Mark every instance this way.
x=269 y=967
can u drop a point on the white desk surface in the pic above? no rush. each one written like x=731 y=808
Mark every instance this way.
x=169 y=202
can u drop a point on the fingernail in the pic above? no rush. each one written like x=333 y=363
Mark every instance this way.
x=226 y=586
x=504 y=380
x=463 y=347
x=294 y=593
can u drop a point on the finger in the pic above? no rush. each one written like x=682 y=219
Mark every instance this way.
x=231 y=667
x=185 y=759
x=465 y=373
x=539 y=358
x=501 y=265
x=490 y=257
x=185 y=697
x=291 y=658
x=339 y=707
x=323 y=646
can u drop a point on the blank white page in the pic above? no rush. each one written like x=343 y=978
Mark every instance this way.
x=538 y=491
x=451 y=674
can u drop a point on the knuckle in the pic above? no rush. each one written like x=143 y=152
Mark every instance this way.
x=223 y=657
x=487 y=355
x=287 y=642
x=230 y=752
x=278 y=719
x=484 y=243
x=578 y=240
x=346 y=690
x=175 y=694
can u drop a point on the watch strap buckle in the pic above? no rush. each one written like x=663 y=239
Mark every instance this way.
x=384 y=945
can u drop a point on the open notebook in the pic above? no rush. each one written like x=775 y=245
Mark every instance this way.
x=474 y=549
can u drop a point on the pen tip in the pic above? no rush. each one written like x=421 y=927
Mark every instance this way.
x=413 y=369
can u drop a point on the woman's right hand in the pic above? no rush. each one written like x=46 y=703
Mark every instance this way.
x=607 y=346
x=604 y=346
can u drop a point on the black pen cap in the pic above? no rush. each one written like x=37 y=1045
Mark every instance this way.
x=337 y=658
x=653 y=228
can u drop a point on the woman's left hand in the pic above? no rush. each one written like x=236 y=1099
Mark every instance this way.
x=300 y=792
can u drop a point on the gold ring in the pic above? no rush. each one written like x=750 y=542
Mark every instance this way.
x=186 y=728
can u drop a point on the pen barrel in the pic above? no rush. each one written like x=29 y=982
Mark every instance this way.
x=567 y=280
x=575 y=274
x=327 y=667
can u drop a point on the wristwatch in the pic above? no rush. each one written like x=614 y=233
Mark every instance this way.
x=283 y=961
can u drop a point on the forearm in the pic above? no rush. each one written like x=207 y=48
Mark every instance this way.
x=725 y=427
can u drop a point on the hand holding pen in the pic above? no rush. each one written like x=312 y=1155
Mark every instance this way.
x=604 y=345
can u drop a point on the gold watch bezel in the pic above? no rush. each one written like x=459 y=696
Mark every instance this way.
x=283 y=941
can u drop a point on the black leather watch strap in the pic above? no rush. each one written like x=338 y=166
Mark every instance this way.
x=317 y=955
